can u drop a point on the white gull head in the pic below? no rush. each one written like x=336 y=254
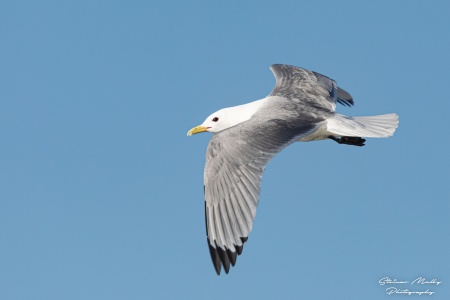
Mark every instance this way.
x=227 y=117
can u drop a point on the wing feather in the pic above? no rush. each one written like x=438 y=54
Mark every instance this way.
x=240 y=216
x=218 y=226
x=312 y=87
x=232 y=214
x=227 y=229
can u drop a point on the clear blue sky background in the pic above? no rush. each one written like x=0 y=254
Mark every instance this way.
x=101 y=191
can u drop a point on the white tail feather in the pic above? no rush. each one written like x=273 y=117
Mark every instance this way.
x=371 y=127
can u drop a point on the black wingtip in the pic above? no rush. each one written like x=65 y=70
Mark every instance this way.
x=232 y=256
x=239 y=249
x=215 y=258
x=225 y=258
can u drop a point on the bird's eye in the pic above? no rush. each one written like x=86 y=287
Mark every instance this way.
x=215 y=119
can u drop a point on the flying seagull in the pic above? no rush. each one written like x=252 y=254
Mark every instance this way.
x=301 y=107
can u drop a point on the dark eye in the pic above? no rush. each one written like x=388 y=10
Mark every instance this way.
x=215 y=119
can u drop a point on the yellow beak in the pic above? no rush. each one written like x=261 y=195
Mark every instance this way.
x=197 y=129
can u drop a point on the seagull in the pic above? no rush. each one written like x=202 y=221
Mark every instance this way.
x=301 y=107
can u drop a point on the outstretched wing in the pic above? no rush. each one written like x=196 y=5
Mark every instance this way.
x=235 y=162
x=313 y=88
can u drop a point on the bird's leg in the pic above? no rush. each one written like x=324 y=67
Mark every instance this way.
x=349 y=140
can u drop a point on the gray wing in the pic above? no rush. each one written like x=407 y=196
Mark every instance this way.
x=313 y=88
x=235 y=162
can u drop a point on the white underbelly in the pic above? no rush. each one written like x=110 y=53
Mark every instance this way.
x=320 y=134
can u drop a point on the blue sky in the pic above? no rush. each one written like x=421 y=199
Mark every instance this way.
x=101 y=191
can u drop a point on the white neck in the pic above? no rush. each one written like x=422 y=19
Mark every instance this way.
x=242 y=113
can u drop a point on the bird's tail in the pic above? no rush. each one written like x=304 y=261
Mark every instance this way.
x=371 y=127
